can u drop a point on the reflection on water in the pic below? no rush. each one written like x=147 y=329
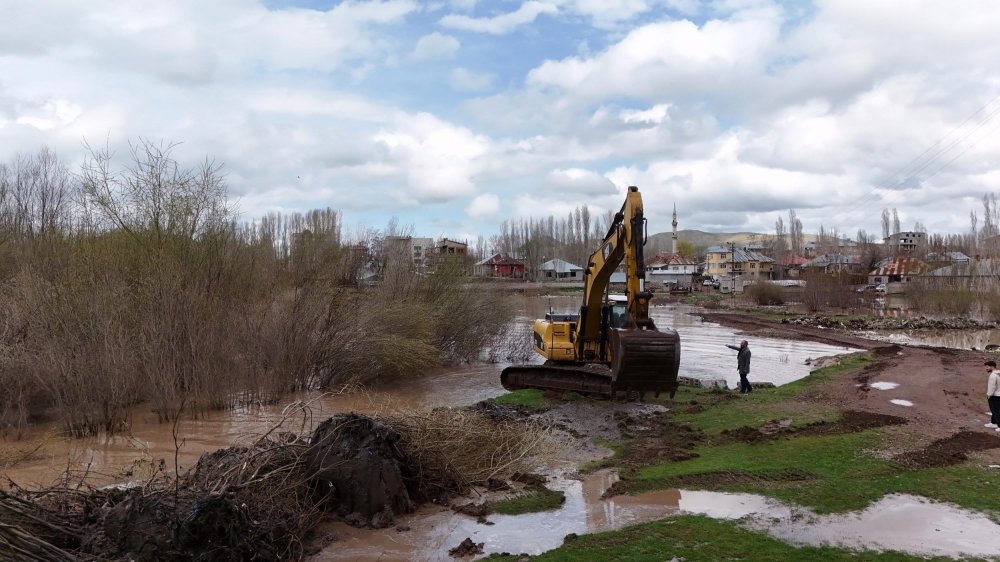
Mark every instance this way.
x=434 y=530
x=898 y=522
x=704 y=355
x=955 y=339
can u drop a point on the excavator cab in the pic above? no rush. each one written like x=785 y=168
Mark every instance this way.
x=617 y=311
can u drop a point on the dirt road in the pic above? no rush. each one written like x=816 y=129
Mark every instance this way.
x=945 y=388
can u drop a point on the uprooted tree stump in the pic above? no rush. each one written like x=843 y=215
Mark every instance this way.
x=359 y=467
x=261 y=501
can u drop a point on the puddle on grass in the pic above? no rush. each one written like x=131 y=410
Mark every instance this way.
x=896 y=522
x=899 y=522
x=899 y=402
x=884 y=385
x=433 y=531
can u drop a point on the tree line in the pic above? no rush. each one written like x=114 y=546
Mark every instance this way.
x=132 y=281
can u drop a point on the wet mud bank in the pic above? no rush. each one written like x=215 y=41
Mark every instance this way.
x=261 y=502
x=786 y=330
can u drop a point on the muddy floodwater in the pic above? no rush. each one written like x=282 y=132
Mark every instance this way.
x=122 y=457
x=105 y=459
x=898 y=522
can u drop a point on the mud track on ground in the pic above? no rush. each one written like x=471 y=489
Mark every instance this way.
x=950 y=450
x=758 y=326
x=851 y=421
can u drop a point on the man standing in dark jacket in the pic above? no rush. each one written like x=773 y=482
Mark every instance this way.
x=743 y=365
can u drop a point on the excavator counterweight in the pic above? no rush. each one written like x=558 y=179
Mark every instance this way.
x=612 y=345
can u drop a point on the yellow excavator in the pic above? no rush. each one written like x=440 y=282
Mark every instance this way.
x=612 y=345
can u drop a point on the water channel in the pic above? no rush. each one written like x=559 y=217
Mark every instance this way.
x=434 y=530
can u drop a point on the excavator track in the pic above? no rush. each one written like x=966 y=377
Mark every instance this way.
x=592 y=379
x=644 y=361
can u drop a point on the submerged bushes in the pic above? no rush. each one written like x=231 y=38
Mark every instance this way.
x=262 y=501
x=148 y=291
x=765 y=294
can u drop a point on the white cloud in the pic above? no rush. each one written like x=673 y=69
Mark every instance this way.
x=465 y=80
x=579 y=183
x=656 y=114
x=194 y=42
x=485 y=206
x=761 y=107
x=667 y=58
x=437 y=160
x=503 y=23
x=435 y=45
x=51 y=114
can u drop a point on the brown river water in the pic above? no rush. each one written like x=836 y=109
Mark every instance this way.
x=434 y=530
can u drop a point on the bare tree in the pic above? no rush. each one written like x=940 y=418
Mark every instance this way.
x=35 y=196
x=153 y=195
x=795 y=232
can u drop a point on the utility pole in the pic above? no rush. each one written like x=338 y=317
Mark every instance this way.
x=732 y=269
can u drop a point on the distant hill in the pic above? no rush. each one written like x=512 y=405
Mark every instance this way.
x=660 y=242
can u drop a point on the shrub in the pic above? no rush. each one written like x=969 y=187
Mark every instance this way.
x=764 y=293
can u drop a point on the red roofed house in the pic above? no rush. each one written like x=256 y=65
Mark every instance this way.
x=500 y=266
x=897 y=270
x=791 y=264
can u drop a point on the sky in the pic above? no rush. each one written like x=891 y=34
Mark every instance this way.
x=452 y=116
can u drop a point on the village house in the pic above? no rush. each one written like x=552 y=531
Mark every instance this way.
x=834 y=264
x=946 y=258
x=815 y=248
x=897 y=272
x=499 y=266
x=673 y=269
x=981 y=275
x=561 y=270
x=791 y=265
x=722 y=261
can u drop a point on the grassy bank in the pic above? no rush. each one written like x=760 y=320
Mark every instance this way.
x=813 y=455
x=830 y=470
x=695 y=538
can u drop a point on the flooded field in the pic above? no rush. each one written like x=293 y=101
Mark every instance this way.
x=898 y=522
x=434 y=529
x=111 y=458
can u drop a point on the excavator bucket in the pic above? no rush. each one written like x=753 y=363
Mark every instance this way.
x=644 y=360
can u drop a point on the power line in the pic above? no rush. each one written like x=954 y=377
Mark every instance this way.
x=889 y=186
